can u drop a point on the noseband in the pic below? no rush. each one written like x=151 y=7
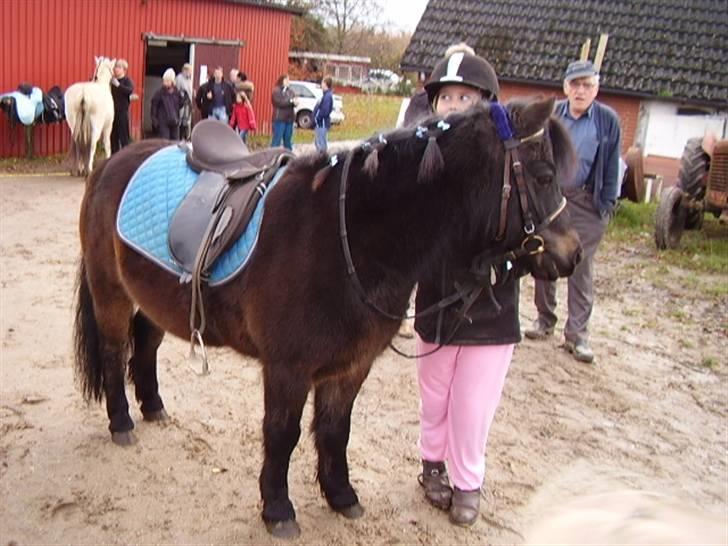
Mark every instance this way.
x=533 y=242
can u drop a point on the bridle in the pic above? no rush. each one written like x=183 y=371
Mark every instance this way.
x=533 y=242
x=486 y=269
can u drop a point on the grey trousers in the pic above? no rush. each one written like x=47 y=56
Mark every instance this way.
x=590 y=226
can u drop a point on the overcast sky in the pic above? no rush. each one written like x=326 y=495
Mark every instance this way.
x=403 y=14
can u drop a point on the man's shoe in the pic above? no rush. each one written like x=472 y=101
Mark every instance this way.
x=465 y=507
x=539 y=331
x=581 y=351
x=436 y=484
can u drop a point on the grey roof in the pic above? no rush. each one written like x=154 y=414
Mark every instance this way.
x=664 y=48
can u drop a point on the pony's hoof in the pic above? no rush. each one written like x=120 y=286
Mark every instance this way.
x=125 y=438
x=159 y=415
x=283 y=529
x=354 y=511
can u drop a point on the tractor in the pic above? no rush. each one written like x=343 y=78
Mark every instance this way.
x=702 y=186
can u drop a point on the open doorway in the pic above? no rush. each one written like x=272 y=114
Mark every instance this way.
x=161 y=55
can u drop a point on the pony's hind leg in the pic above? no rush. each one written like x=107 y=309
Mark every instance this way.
x=332 y=422
x=103 y=318
x=143 y=367
x=285 y=396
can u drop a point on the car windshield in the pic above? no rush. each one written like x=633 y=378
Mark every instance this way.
x=302 y=91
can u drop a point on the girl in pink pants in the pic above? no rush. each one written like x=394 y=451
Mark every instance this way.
x=461 y=382
x=460 y=388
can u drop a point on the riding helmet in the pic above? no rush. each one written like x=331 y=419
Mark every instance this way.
x=465 y=68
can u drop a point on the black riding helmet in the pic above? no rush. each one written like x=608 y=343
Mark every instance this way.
x=464 y=68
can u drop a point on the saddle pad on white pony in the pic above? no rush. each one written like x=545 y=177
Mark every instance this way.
x=151 y=198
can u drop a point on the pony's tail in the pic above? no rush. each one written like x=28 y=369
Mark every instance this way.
x=82 y=130
x=87 y=340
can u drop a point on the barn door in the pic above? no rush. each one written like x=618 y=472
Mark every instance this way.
x=210 y=56
x=207 y=57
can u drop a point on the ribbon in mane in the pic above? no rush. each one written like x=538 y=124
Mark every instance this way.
x=502 y=120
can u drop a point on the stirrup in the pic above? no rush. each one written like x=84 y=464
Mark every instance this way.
x=198 y=362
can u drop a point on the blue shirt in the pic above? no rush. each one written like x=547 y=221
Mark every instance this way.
x=218 y=95
x=583 y=133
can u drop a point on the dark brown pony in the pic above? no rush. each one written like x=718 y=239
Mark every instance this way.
x=294 y=307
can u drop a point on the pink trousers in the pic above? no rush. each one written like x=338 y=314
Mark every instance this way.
x=460 y=388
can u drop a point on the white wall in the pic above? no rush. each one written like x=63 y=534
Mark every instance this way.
x=667 y=132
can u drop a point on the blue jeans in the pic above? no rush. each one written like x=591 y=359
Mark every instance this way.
x=282 y=130
x=320 y=138
x=219 y=113
x=244 y=135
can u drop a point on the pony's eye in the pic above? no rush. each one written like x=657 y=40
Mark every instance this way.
x=544 y=180
x=542 y=171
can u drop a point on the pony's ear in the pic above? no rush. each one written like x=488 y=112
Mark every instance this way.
x=531 y=116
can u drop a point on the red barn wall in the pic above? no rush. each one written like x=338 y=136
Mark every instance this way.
x=48 y=43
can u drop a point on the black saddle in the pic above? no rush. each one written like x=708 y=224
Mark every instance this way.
x=214 y=214
x=218 y=148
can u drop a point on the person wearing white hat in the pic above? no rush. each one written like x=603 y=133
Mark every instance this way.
x=166 y=104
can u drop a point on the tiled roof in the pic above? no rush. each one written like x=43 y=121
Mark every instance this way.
x=664 y=48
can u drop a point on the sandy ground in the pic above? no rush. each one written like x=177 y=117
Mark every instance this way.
x=651 y=415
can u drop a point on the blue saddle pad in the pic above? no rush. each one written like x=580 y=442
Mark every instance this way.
x=27 y=107
x=154 y=192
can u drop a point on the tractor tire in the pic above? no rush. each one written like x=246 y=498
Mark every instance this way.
x=693 y=177
x=669 y=219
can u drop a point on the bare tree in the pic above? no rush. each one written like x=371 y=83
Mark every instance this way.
x=348 y=20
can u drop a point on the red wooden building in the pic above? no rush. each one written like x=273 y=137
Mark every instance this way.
x=51 y=42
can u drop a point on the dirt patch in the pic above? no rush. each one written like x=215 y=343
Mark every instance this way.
x=651 y=414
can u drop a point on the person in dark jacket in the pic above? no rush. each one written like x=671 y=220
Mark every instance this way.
x=215 y=98
x=590 y=196
x=461 y=382
x=284 y=103
x=121 y=90
x=166 y=104
x=322 y=115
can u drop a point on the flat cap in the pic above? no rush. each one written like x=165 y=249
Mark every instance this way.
x=580 y=69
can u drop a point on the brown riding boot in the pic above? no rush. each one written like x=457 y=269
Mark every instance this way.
x=437 y=487
x=465 y=507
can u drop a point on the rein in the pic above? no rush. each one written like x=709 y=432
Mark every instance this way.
x=483 y=268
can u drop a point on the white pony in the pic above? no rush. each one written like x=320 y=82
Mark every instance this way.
x=90 y=114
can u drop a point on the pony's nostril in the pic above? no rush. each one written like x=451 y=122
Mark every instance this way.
x=578 y=256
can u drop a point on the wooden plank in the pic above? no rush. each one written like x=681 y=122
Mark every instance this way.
x=601 y=48
x=586 y=46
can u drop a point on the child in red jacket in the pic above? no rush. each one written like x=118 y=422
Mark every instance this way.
x=243 y=118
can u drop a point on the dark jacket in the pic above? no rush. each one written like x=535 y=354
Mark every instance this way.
x=121 y=94
x=283 y=108
x=419 y=108
x=322 y=110
x=489 y=326
x=166 y=104
x=604 y=176
x=205 y=104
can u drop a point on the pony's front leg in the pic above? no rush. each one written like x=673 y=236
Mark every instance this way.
x=332 y=422
x=285 y=396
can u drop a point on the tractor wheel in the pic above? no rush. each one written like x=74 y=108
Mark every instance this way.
x=692 y=178
x=669 y=218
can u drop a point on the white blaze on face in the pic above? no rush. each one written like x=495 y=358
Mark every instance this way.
x=453 y=65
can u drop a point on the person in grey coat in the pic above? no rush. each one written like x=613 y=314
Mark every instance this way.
x=284 y=103
x=591 y=197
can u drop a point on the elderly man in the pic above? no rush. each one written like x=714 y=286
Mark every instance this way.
x=121 y=90
x=591 y=196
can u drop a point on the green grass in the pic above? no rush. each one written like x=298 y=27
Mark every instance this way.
x=704 y=250
x=365 y=116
